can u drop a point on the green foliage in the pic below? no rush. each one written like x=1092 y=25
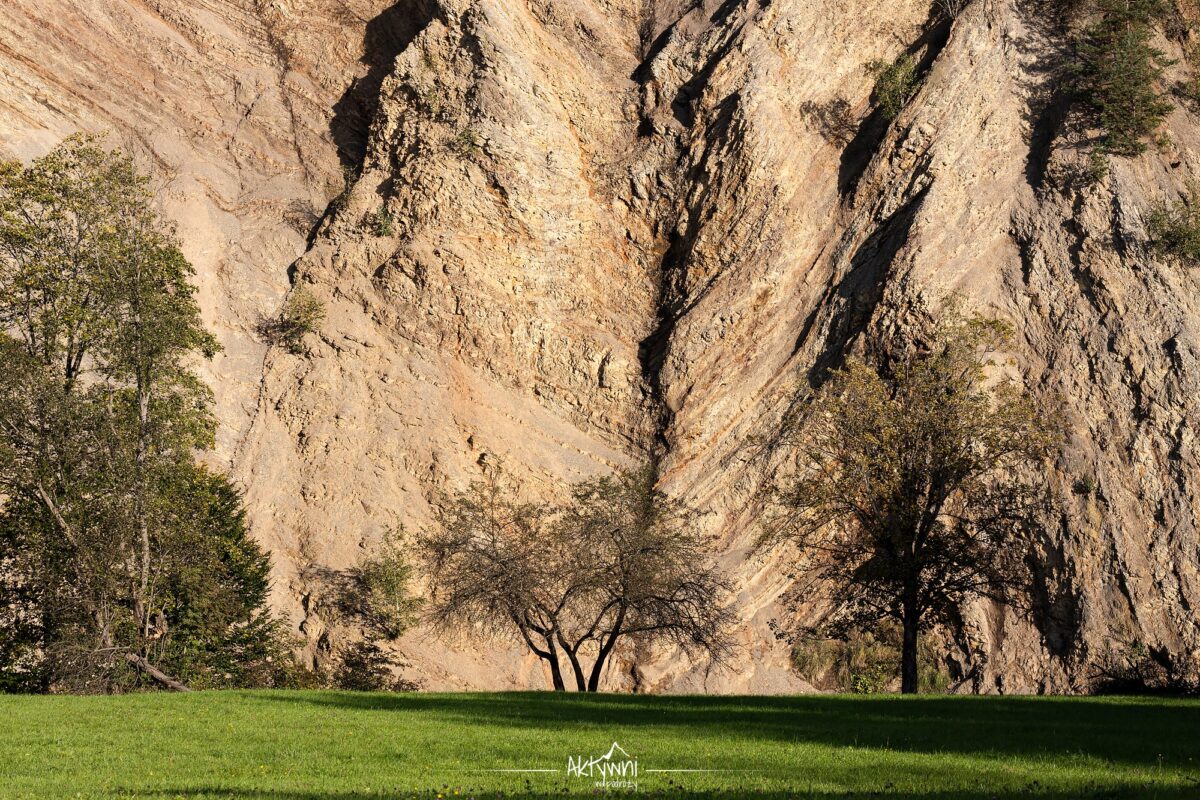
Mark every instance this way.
x=1118 y=74
x=466 y=142
x=215 y=586
x=1190 y=90
x=302 y=313
x=1097 y=167
x=359 y=606
x=907 y=498
x=864 y=662
x=365 y=667
x=380 y=587
x=895 y=84
x=383 y=223
x=1175 y=228
x=120 y=552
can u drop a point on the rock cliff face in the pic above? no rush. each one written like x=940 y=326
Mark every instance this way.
x=580 y=233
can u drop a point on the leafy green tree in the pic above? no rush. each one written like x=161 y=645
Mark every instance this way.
x=1118 y=74
x=907 y=496
x=214 y=630
x=105 y=513
x=379 y=588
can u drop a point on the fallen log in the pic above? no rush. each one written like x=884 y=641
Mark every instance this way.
x=156 y=673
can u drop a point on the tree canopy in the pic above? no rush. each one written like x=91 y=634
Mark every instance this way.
x=125 y=559
x=619 y=563
x=909 y=495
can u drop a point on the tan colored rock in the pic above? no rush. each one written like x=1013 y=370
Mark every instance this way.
x=230 y=103
x=627 y=230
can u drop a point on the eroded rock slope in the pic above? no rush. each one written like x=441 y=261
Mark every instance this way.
x=582 y=233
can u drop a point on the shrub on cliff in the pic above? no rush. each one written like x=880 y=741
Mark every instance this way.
x=952 y=8
x=302 y=314
x=379 y=586
x=1118 y=73
x=895 y=83
x=1175 y=228
x=863 y=661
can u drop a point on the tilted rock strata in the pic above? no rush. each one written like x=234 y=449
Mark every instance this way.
x=588 y=232
x=233 y=105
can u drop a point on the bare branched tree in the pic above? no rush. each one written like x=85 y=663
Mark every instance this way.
x=648 y=579
x=620 y=562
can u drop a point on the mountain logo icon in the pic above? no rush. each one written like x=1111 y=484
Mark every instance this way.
x=616 y=769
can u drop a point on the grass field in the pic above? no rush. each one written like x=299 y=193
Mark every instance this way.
x=336 y=746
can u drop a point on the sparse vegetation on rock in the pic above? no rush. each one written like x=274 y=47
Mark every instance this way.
x=383 y=223
x=302 y=313
x=1118 y=74
x=1175 y=228
x=895 y=83
x=466 y=142
x=952 y=8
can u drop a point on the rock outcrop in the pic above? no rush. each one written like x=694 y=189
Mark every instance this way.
x=577 y=234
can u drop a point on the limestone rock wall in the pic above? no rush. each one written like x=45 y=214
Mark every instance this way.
x=581 y=233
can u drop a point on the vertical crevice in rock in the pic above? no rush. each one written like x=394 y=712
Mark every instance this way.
x=697 y=39
x=854 y=299
x=653 y=350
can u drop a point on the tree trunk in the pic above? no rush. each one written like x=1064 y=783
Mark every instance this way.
x=605 y=650
x=556 y=677
x=576 y=667
x=155 y=673
x=142 y=601
x=909 y=678
x=550 y=654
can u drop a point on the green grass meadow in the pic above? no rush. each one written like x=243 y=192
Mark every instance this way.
x=338 y=745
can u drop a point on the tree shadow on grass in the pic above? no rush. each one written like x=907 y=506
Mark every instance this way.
x=1127 y=792
x=1131 y=731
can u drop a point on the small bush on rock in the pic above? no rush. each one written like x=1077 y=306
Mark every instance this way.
x=1175 y=229
x=863 y=661
x=895 y=84
x=302 y=314
x=379 y=586
x=383 y=223
x=365 y=667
